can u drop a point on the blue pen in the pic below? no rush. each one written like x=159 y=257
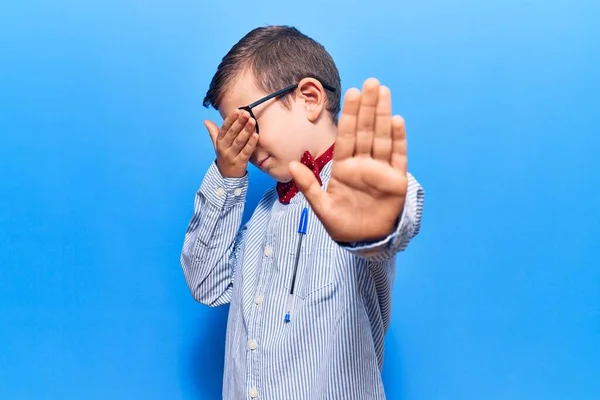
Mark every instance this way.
x=301 y=233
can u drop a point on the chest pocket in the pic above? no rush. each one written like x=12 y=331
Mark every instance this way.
x=315 y=263
x=315 y=271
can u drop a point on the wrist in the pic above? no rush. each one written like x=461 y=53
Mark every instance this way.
x=230 y=172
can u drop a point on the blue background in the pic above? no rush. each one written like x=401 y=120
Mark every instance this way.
x=102 y=148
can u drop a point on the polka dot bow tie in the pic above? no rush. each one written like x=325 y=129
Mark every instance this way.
x=288 y=190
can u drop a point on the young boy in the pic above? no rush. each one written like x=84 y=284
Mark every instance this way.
x=309 y=304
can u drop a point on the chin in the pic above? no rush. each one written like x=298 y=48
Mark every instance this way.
x=281 y=179
x=280 y=176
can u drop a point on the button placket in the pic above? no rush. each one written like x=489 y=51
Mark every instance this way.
x=264 y=277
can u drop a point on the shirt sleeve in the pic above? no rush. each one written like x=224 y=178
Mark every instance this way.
x=213 y=237
x=408 y=226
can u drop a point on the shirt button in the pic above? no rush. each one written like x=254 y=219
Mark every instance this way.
x=220 y=192
x=258 y=299
x=252 y=345
x=268 y=251
x=253 y=392
x=237 y=192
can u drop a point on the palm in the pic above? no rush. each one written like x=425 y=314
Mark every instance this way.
x=367 y=189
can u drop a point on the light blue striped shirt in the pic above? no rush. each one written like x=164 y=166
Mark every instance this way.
x=333 y=346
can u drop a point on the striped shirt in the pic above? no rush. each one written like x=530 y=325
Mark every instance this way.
x=333 y=346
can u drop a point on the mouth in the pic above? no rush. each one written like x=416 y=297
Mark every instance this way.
x=261 y=162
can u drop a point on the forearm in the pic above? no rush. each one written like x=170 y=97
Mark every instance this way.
x=209 y=252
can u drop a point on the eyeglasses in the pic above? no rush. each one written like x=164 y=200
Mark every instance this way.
x=276 y=94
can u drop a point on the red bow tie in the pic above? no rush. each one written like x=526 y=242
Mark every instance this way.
x=288 y=190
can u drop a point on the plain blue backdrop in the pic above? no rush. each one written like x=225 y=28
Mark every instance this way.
x=102 y=148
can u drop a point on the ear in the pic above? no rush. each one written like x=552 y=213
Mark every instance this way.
x=312 y=97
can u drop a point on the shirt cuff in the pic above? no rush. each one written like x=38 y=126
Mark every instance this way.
x=223 y=192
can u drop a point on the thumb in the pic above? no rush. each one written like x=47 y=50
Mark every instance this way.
x=213 y=131
x=309 y=185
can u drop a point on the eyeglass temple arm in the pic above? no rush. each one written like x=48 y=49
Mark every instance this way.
x=282 y=91
x=276 y=94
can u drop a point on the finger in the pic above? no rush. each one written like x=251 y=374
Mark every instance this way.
x=248 y=149
x=399 y=158
x=231 y=118
x=308 y=184
x=365 y=125
x=346 y=134
x=213 y=132
x=235 y=129
x=382 y=140
x=242 y=138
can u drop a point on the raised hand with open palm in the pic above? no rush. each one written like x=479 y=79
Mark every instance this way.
x=368 y=184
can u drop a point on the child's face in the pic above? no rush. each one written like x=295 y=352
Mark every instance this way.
x=284 y=134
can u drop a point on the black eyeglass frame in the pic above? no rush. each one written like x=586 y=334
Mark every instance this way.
x=278 y=93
